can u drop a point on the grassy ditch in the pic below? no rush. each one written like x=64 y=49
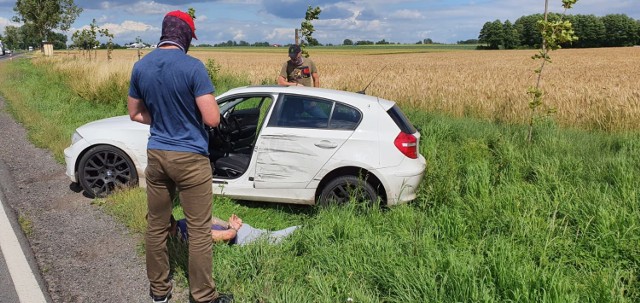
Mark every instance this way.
x=496 y=219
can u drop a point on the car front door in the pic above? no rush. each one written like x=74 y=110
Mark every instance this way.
x=297 y=142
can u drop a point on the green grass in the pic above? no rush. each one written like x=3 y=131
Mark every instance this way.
x=44 y=104
x=496 y=219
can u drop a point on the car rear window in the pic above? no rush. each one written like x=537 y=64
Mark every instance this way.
x=401 y=120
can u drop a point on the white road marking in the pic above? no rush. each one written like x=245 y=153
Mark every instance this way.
x=23 y=279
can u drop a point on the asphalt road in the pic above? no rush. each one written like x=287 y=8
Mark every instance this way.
x=7 y=289
x=20 y=280
x=82 y=254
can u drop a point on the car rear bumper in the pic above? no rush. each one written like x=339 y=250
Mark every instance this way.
x=401 y=182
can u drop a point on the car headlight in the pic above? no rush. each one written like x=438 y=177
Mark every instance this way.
x=75 y=138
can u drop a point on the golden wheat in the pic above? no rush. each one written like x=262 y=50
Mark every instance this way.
x=589 y=88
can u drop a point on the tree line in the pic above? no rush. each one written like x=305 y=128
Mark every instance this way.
x=607 y=31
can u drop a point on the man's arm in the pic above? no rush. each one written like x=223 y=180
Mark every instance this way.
x=282 y=77
x=284 y=82
x=316 y=79
x=138 y=111
x=218 y=221
x=209 y=109
x=223 y=235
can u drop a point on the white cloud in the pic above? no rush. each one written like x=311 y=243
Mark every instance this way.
x=149 y=8
x=238 y=34
x=128 y=26
x=280 y=34
x=4 y=22
x=406 y=14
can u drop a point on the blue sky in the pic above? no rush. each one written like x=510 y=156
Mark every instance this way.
x=405 y=21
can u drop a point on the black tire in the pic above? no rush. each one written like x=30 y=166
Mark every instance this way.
x=104 y=168
x=344 y=189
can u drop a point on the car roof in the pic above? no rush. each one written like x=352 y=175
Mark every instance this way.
x=338 y=95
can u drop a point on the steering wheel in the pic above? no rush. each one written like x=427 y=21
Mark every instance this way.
x=223 y=133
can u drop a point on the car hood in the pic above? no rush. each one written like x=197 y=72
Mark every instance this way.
x=114 y=124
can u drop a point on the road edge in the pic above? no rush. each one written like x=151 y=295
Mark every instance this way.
x=5 y=178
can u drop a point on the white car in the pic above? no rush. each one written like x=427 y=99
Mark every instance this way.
x=297 y=145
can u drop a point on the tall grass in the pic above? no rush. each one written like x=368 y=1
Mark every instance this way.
x=496 y=219
x=44 y=103
x=588 y=88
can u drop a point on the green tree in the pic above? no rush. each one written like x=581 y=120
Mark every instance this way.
x=364 y=42
x=468 y=41
x=87 y=39
x=511 y=39
x=13 y=38
x=638 y=32
x=59 y=40
x=554 y=33
x=307 y=29
x=492 y=34
x=30 y=36
x=347 y=42
x=527 y=27
x=46 y=15
x=621 y=30
x=590 y=29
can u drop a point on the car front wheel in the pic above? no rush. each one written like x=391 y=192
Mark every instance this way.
x=104 y=168
x=344 y=189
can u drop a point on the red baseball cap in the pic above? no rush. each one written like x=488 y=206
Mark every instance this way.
x=186 y=18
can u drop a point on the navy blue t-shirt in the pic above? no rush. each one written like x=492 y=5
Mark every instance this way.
x=168 y=81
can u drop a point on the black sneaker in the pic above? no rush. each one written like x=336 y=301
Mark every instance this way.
x=223 y=298
x=162 y=299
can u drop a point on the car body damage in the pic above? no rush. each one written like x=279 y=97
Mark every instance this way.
x=282 y=144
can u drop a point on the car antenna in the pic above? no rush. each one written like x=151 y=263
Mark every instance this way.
x=363 y=91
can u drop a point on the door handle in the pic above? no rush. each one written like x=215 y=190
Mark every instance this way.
x=326 y=144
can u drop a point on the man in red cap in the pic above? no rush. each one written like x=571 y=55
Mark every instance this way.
x=173 y=93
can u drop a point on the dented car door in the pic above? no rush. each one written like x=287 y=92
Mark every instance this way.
x=296 y=143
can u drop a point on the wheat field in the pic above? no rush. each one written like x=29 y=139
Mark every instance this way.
x=588 y=88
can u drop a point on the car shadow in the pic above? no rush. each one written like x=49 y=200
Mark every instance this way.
x=292 y=209
x=75 y=187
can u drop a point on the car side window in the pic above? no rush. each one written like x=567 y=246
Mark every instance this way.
x=308 y=112
x=345 y=117
x=301 y=112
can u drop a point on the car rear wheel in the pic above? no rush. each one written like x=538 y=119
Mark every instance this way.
x=104 y=168
x=345 y=189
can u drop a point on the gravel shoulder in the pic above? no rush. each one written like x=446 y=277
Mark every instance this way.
x=83 y=254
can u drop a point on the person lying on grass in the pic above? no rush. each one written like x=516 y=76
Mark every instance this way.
x=233 y=232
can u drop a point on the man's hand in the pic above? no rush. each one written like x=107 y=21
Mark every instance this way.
x=235 y=222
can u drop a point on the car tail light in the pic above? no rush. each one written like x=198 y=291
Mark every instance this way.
x=407 y=144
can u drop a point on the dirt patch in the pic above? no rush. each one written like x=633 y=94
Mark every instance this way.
x=84 y=255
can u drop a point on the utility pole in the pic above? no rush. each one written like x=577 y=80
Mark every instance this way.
x=297 y=37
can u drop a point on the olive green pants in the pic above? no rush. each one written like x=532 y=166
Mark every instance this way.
x=190 y=174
